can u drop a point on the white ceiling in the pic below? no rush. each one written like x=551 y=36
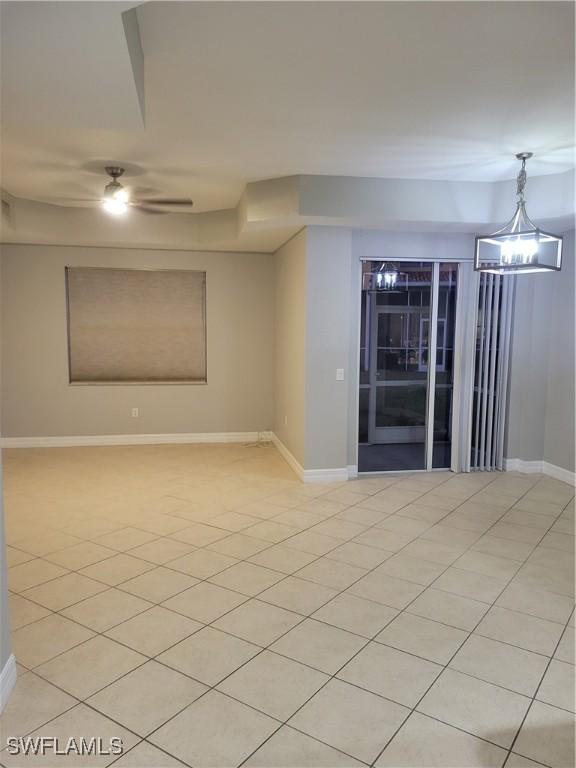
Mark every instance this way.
x=238 y=92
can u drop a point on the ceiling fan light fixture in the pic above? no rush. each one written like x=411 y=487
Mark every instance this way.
x=114 y=205
x=520 y=247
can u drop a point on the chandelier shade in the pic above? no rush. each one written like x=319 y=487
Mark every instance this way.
x=520 y=247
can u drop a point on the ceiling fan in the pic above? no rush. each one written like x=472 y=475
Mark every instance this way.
x=117 y=199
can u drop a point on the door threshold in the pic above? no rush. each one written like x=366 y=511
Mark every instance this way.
x=385 y=472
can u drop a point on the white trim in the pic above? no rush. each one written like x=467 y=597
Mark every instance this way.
x=7 y=681
x=352 y=470
x=178 y=438
x=287 y=455
x=540 y=467
x=338 y=475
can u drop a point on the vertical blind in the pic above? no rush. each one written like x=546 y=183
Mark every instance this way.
x=493 y=333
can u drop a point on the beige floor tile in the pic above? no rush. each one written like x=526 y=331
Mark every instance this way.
x=199 y=535
x=493 y=545
x=467 y=584
x=350 y=719
x=537 y=602
x=339 y=529
x=559 y=686
x=314 y=543
x=519 y=629
x=288 y=748
x=162 y=525
x=32 y=703
x=426 y=743
x=566 y=646
x=145 y=755
x=202 y=564
x=364 y=617
x=282 y=559
x=447 y=608
x=147 y=697
x=117 y=569
x=125 y=539
x=547 y=735
x=331 y=573
x=445 y=534
x=475 y=706
x=319 y=645
x=258 y=622
x=422 y=637
x=106 y=609
x=161 y=551
x=274 y=685
x=406 y=525
x=81 y=722
x=390 y=541
x=44 y=639
x=64 y=591
x=159 y=584
x=154 y=631
x=489 y=565
x=239 y=545
x=80 y=555
x=411 y=569
x=517 y=761
x=215 y=731
x=522 y=517
x=501 y=664
x=233 y=521
x=209 y=655
x=272 y=532
x=435 y=551
x=517 y=532
x=17 y=557
x=297 y=595
x=359 y=555
x=247 y=578
x=24 y=612
x=92 y=528
x=391 y=673
x=204 y=602
x=42 y=543
x=31 y=574
x=93 y=665
x=561 y=541
x=388 y=590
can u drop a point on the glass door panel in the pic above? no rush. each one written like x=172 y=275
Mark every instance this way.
x=396 y=400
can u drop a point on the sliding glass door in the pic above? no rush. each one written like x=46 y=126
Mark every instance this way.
x=408 y=309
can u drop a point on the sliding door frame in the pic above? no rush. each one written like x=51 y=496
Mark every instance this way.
x=464 y=350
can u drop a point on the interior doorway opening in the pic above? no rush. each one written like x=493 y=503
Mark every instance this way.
x=408 y=317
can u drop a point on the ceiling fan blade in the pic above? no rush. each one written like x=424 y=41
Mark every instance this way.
x=164 y=201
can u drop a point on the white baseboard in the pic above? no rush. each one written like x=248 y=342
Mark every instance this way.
x=288 y=456
x=7 y=681
x=170 y=439
x=337 y=475
x=540 y=467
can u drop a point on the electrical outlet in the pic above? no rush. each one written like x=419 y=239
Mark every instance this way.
x=135 y=413
x=339 y=374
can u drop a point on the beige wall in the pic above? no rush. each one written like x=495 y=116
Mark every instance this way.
x=37 y=399
x=290 y=345
x=541 y=417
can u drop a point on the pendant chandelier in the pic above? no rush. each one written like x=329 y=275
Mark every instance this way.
x=520 y=247
x=387 y=277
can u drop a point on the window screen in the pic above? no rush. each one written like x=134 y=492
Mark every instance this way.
x=131 y=325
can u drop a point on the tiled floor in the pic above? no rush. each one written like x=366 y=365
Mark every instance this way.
x=207 y=608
